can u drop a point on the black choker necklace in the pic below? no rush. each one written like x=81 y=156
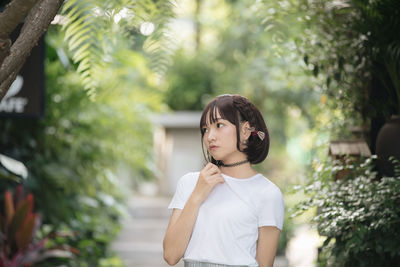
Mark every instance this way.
x=233 y=164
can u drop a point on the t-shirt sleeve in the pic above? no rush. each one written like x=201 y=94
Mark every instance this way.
x=271 y=210
x=182 y=193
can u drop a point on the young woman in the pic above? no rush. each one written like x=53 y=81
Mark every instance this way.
x=227 y=214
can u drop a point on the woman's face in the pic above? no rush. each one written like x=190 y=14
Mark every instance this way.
x=220 y=139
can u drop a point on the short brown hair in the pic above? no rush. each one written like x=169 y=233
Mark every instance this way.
x=237 y=109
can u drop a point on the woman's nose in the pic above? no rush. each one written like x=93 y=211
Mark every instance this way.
x=211 y=135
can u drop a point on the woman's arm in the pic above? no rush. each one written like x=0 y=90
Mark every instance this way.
x=181 y=223
x=179 y=230
x=267 y=245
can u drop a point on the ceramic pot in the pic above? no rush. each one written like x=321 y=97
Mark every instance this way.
x=388 y=144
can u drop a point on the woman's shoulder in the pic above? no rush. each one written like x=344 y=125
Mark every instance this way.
x=189 y=178
x=267 y=188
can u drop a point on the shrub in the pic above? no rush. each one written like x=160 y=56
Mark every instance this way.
x=359 y=215
x=73 y=156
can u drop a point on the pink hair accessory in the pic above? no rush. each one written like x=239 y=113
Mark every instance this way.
x=254 y=132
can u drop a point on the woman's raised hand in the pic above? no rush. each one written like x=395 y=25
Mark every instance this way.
x=209 y=176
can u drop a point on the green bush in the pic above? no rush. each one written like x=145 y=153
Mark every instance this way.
x=359 y=215
x=190 y=81
x=356 y=46
x=73 y=154
x=286 y=234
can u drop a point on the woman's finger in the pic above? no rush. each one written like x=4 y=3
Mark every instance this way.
x=217 y=178
x=211 y=170
x=208 y=166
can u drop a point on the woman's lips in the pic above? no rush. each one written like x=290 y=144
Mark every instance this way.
x=213 y=147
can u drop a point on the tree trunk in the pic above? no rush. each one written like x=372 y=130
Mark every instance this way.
x=40 y=14
x=198 y=24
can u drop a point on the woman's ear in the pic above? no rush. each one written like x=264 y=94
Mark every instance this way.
x=245 y=131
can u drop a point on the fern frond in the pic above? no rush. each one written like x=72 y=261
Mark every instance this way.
x=82 y=37
x=92 y=36
x=159 y=45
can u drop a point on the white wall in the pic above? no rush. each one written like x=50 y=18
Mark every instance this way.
x=177 y=148
x=186 y=156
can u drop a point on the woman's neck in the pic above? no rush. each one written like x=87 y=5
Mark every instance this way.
x=240 y=171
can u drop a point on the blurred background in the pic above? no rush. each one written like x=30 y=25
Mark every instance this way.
x=104 y=119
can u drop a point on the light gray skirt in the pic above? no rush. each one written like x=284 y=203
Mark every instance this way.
x=192 y=263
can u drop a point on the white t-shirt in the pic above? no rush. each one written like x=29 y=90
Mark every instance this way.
x=226 y=229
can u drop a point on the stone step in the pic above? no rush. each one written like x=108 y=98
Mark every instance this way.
x=149 y=213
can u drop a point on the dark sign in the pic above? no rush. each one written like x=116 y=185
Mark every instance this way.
x=25 y=98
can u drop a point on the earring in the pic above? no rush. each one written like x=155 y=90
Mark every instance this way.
x=244 y=142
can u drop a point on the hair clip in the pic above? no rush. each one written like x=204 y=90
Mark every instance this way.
x=254 y=132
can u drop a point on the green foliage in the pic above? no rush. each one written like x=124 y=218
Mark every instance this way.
x=74 y=152
x=353 y=48
x=359 y=215
x=157 y=45
x=286 y=234
x=83 y=36
x=190 y=80
x=355 y=45
x=18 y=228
x=97 y=30
x=252 y=53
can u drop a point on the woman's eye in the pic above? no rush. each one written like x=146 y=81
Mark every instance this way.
x=205 y=130
x=219 y=125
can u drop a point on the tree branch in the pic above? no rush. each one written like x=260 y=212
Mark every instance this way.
x=6 y=84
x=38 y=20
x=10 y=18
x=5 y=45
x=13 y=15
